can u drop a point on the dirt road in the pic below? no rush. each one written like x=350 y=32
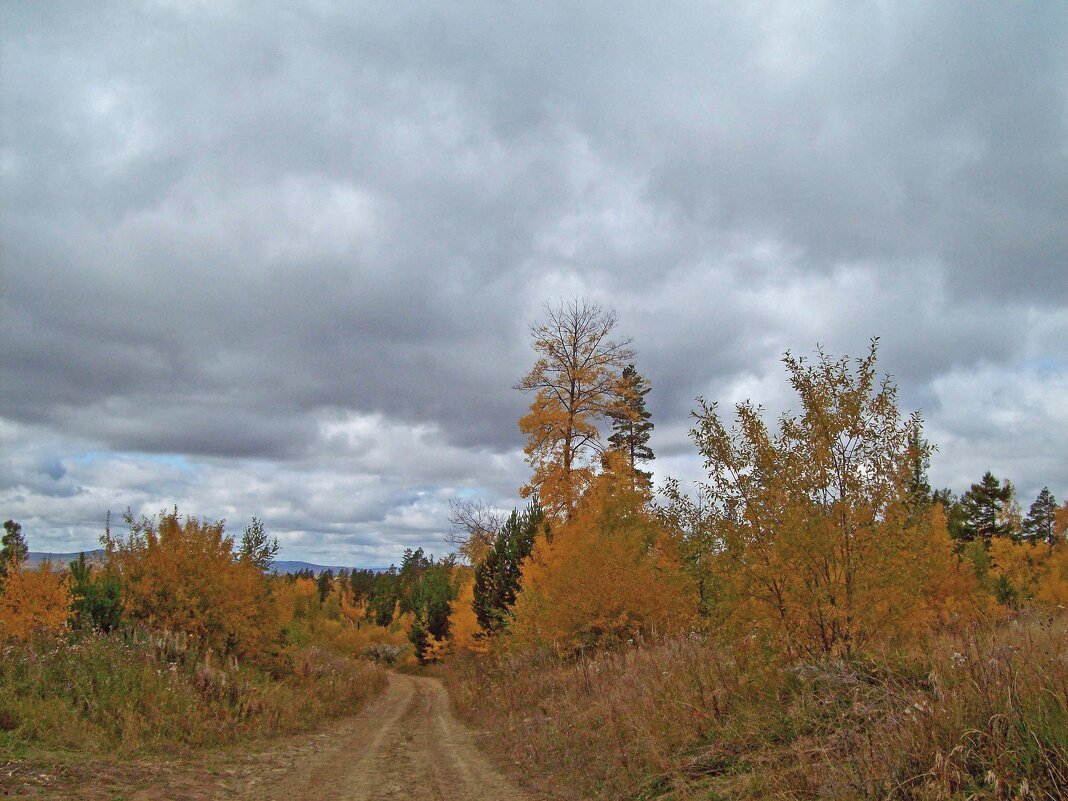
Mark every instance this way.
x=404 y=745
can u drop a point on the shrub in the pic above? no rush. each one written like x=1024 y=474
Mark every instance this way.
x=33 y=600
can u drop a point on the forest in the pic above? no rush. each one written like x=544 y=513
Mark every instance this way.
x=811 y=620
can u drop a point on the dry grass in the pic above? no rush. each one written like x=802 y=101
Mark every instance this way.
x=981 y=714
x=136 y=691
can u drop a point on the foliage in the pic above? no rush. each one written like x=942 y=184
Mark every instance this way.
x=1040 y=523
x=465 y=632
x=135 y=690
x=809 y=537
x=324 y=583
x=575 y=381
x=610 y=573
x=33 y=600
x=340 y=623
x=257 y=547
x=986 y=508
x=182 y=575
x=474 y=527
x=14 y=550
x=497 y=577
x=431 y=603
x=632 y=423
x=96 y=600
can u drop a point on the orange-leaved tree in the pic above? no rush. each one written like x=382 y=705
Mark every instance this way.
x=575 y=381
x=610 y=573
x=810 y=535
x=183 y=575
x=33 y=600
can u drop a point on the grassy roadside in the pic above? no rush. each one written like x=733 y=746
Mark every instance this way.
x=132 y=693
x=981 y=714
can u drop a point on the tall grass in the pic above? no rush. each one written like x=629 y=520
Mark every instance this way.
x=978 y=714
x=135 y=690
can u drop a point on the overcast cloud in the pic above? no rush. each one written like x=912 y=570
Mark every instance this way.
x=280 y=260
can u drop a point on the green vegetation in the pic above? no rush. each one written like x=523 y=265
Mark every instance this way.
x=134 y=690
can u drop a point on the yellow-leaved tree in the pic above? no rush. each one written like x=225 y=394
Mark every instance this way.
x=811 y=536
x=610 y=573
x=575 y=381
x=33 y=600
x=183 y=575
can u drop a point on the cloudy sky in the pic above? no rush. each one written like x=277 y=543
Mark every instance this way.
x=281 y=260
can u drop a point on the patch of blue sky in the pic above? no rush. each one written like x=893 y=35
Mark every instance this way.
x=1048 y=365
x=167 y=459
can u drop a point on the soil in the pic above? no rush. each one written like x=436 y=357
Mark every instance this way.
x=404 y=745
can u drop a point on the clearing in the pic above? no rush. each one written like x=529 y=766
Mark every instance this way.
x=405 y=744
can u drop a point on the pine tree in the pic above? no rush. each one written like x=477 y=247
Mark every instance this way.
x=919 y=487
x=1039 y=525
x=96 y=600
x=14 y=551
x=325 y=583
x=954 y=513
x=257 y=547
x=984 y=508
x=497 y=577
x=632 y=424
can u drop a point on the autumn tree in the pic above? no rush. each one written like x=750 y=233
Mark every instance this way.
x=986 y=508
x=182 y=574
x=610 y=573
x=33 y=600
x=810 y=534
x=474 y=527
x=498 y=575
x=954 y=512
x=575 y=381
x=632 y=424
x=1040 y=523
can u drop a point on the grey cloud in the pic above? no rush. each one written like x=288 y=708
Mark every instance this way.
x=224 y=224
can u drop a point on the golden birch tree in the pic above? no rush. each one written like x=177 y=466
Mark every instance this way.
x=809 y=534
x=33 y=600
x=609 y=573
x=575 y=381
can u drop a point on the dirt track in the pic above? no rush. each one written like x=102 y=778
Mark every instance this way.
x=404 y=745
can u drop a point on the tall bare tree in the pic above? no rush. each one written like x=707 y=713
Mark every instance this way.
x=474 y=527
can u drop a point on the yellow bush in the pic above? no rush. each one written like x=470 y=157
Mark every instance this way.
x=183 y=575
x=610 y=572
x=33 y=599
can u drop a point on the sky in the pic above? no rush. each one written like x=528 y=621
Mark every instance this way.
x=281 y=260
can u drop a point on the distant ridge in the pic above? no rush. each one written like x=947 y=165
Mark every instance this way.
x=97 y=556
x=284 y=566
x=63 y=559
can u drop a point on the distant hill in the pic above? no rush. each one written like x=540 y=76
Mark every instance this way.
x=63 y=559
x=283 y=566
x=97 y=557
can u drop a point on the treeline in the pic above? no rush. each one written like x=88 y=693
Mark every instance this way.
x=181 y=636
x=185 y=575
x=819 y=535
